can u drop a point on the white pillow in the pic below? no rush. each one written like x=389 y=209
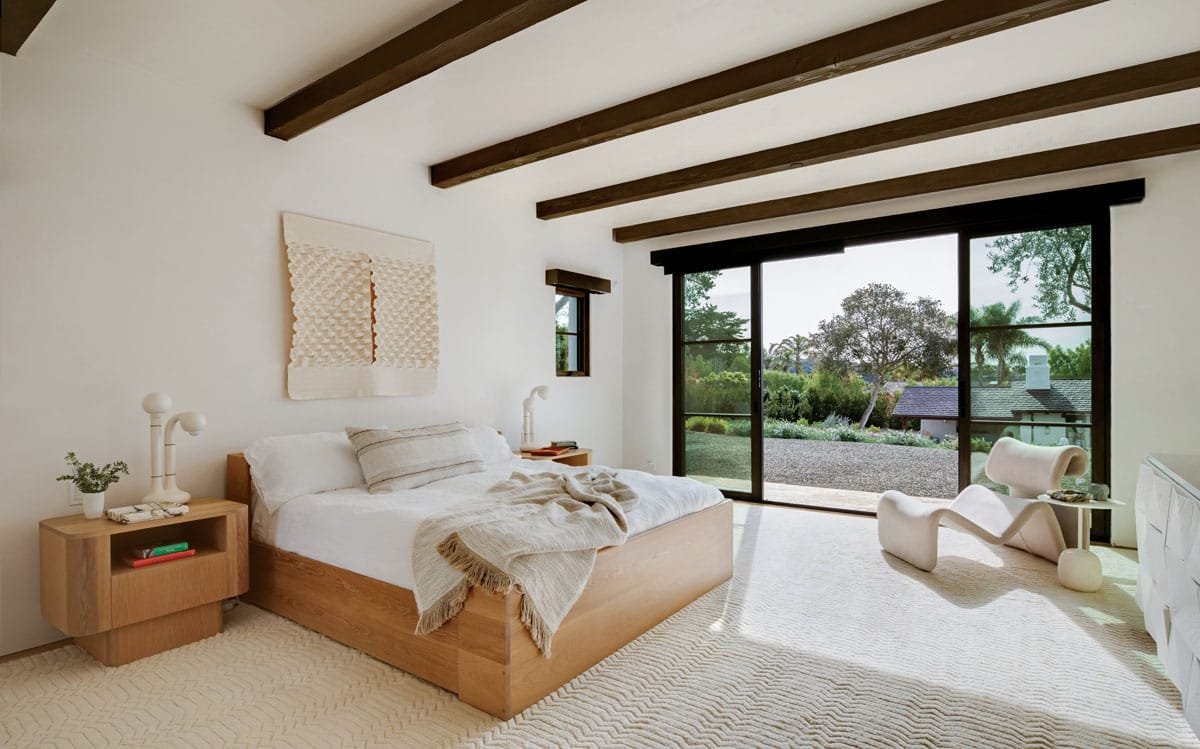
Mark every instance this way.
x=408 y=458
x=491 y=445
x=293 y=465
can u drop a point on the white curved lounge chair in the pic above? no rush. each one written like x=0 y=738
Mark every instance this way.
x=908 y=528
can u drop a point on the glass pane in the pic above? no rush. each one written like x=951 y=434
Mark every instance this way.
x=716 y=378
x=1044 y=374
x=874 y=320
x=984 y=435
x=566 y=313
x=1039 y=276
x=566 y=353
x=717 y=452
x=716 y=305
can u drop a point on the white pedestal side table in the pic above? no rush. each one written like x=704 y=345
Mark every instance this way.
x=1079 y=568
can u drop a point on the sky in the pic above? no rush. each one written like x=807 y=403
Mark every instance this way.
x=799 y=294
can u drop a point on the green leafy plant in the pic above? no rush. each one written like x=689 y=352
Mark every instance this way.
x=709 y=424
x=89 y=479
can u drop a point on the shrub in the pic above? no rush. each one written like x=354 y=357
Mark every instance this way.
x=851 y=434
x=786 y=404
x=709 y=424
x=738 y=427
x=793 y=431
x=719 y=392
x=980 y=445
x=835 y=421
x=773 y=379
x=909 y=439
x=831 y=393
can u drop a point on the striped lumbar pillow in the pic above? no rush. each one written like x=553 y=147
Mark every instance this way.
x=408 y=458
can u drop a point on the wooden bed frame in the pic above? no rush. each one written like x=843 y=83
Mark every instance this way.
x=485 y=655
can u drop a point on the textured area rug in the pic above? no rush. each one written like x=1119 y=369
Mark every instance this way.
x=820 y=640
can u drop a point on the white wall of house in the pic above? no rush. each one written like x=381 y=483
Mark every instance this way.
x=1155 y=269
x=939 y=428
x=140 y=250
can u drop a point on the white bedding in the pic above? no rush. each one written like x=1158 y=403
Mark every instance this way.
x=372 y=534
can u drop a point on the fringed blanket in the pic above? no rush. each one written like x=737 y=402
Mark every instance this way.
x=538 y=532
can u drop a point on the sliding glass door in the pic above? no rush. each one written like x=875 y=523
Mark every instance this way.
x=897 y=360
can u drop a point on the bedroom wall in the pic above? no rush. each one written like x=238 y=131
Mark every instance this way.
x=140 y=250
x=1155 y=265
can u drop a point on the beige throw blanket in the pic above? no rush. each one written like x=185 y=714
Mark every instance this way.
x=538 y=532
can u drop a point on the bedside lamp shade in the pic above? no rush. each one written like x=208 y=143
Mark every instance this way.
x=163 y=487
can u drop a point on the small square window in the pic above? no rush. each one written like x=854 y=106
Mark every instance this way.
x=571 y=332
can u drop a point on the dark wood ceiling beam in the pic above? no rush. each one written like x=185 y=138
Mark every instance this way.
x=456 y=32
x=1103 y=89
x=18 y=19
x=1129 y=148
x=930 y=27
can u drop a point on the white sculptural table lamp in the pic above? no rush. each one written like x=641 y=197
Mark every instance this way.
x=527 y=439
x=163 y=487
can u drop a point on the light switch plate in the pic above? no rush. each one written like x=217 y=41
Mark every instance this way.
x=73 y=496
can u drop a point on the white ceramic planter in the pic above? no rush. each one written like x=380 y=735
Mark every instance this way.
x=93 y=504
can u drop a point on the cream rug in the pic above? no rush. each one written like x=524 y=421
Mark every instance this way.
x=819 y=641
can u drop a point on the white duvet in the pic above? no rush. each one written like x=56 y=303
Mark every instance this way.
x=372 y=534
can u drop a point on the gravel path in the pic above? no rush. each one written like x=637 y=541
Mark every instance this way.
x=920 y=471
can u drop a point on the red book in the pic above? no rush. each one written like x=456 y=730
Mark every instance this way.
x=155 y=560
x=549 y=451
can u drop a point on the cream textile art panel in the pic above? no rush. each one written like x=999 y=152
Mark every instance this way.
x=365 y=308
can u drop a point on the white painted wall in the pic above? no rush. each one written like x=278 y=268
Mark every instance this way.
x=140 y=250
x=1156 y=356
x=1156 y=349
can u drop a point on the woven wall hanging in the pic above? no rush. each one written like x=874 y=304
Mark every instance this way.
x=365 y=308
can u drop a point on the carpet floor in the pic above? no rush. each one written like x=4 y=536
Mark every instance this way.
x=819 y=641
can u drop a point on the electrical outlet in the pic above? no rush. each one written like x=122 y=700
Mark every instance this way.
x=651 y=466
x=73 y=496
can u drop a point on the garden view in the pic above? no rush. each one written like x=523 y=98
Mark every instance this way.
x=831 y=390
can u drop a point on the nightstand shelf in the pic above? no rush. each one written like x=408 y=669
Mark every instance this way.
x=120 y=613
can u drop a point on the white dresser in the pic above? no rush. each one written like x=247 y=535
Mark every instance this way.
x=1168 y=530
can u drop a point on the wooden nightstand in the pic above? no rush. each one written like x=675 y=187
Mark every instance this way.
x=119 y=613
x=579 y=457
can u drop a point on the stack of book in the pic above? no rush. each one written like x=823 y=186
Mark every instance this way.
x=554 y=449
x=144 y=556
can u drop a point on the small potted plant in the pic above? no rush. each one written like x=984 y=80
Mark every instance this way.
x=92 y=482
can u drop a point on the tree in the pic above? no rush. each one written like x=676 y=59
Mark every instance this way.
x=1003 y=343
x=702 y=320
x=789 y=354
x=1059 y=259
x=883 y=332
x=1071 y=363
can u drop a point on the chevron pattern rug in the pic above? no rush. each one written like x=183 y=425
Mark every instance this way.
x=819 y=641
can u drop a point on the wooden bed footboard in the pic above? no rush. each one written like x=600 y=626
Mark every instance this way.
x=485 y=654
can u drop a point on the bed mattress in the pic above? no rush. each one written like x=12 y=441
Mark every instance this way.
x=372 y=534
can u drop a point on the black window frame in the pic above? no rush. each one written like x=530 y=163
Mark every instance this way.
x=1072 y=207
x=582 y=335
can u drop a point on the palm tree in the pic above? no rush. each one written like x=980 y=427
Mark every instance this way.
x=999 y=338
x=789 y=354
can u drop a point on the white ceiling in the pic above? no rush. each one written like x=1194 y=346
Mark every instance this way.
x=607 y=51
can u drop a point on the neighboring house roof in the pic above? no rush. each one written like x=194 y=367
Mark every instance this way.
x=928 y=402
x=941 y=401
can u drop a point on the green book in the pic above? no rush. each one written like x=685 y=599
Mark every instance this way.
x=172 y=548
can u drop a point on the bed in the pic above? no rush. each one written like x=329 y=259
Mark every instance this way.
x=484 y=655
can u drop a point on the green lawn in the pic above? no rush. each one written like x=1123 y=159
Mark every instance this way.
x=718 y=455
